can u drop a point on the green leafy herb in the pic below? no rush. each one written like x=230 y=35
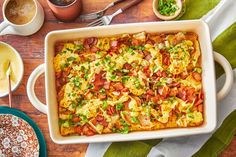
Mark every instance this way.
x=104 y=104
x=79 y=47
x=97 y=64
x=113 y=77
x=66 y=124
x=124 y=79
x=119 y=106
x=134 y=120
x=70 y=116
x=167 y=7
x=90 y=86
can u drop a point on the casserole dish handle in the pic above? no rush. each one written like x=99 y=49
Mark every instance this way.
x=40 y=70
x=30 y=89
x=228 y=73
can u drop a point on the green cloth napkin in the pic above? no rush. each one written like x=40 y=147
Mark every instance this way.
x=221 y=138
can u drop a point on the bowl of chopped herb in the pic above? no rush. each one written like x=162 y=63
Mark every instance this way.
x=167 y=9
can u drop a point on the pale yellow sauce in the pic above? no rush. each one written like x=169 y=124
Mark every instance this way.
x=7 y=55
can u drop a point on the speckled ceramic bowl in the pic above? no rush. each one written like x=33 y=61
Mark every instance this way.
x=17 y=137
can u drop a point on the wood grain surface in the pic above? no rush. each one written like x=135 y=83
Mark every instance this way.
x=31 y=49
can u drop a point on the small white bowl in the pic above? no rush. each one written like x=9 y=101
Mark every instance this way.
x=20 y=66
x=163 y=17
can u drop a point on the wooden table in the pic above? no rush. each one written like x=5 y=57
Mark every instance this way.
x=31 y=49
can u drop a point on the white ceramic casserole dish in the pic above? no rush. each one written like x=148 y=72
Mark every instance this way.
x=208 y=75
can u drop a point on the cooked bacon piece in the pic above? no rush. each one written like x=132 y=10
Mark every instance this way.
x=156 y=98
x=144 y=120
x=127 y=66
x=137 y=99
x=200 y=108
x=89 y=42
x=148 y=57
x=166 y=59
x=76 y=119
x=125 y=89
x=59 y=47
x=106 y=85
x=99 y=81
x=150 y=92
x=150 y=41
x=126 y=105
x=197 y=76
x=111 y=110
x=88 y=130
x=173 y=92
x=161 y=73
x=78 y=129
x=164 y=91
x=94 y=49
x=198 y=102
x=118 y=86
x=101 y=96
x=101 y=120
x=182 y=94
x=135 y=42
x=183 y=75
x=113 y=43
x=147 y=71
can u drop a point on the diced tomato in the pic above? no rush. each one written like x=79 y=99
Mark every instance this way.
x=76 y=119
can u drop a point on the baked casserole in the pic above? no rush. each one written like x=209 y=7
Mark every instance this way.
x=129 y=82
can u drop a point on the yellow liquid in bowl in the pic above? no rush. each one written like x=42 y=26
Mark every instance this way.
x=8 y=55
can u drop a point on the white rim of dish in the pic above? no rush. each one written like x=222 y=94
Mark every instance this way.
x=21 y=74
x=163 y=17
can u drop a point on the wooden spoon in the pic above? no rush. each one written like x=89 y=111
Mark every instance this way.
x=8 y=73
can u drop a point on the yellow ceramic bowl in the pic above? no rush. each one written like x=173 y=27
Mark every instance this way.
x=9 y=54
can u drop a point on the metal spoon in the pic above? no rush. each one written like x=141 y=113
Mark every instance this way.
x=8 y=74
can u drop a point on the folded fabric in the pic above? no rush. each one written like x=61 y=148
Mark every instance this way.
x=209 y=145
